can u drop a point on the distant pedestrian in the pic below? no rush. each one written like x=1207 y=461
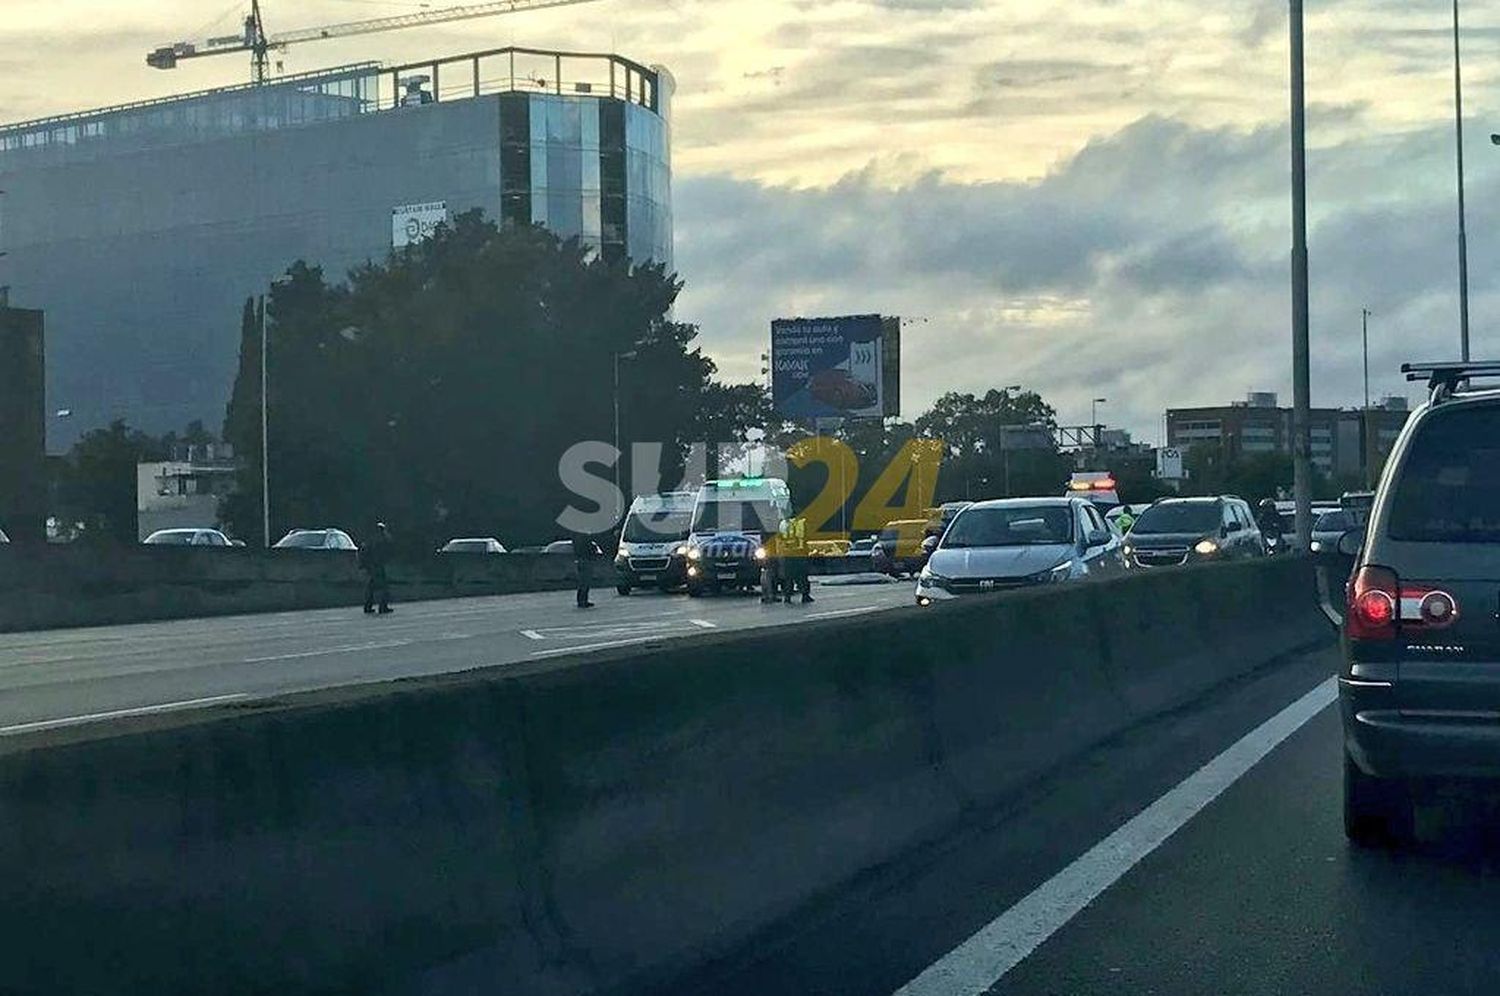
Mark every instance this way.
x=772 y=568
x=794 y=565
x=374 y=558
x=585 y=552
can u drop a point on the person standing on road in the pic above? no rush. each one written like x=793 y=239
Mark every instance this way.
x=374 y=557
x=794 y=560
x=585 y=552
x=773 y=568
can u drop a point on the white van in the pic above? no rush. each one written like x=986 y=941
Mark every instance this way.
x=731 y=518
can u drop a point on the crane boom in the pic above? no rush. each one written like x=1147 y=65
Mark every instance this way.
x=255 y=40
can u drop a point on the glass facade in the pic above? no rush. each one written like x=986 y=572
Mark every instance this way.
x=142 y=230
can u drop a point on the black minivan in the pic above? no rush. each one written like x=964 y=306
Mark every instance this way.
x=1419 y=688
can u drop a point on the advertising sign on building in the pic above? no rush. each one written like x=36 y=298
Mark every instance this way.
x=412 y=223
x=846 y=367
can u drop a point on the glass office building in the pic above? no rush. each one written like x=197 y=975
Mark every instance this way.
x=141 y=230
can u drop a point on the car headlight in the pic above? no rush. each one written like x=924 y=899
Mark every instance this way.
x=682 y=551
x=760 y=553
x=1129 y=550
x=695 y=553
x=928 y=580
x=1317 y=546
x=1061 y=572
x=1206 y=548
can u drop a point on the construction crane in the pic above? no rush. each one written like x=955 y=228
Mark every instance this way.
x=255 y=40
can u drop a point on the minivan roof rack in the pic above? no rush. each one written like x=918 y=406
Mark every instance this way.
x=1443 y=379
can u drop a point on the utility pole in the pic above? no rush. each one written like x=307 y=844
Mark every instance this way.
x=1364 y=413
x=1463 y=227
x=265 y=441
x=1364 y=335
x=1301 y=379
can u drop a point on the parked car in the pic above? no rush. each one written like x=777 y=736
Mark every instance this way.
x=188 y=537
x=1177 y=531
x=482 y=544
x=862 y=548
x=1018 y=543
x=898 y=549
x=316 y=539
x=1419 y=685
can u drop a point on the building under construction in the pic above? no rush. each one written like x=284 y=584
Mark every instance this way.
x=142 y=229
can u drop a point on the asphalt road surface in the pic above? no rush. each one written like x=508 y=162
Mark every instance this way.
x=1149 y=866
x=68 y=677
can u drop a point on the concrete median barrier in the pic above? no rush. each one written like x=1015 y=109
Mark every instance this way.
x=589 y=825
x=59 y=586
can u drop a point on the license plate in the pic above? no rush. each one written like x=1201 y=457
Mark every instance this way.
x=648 y=577
x=728 y=574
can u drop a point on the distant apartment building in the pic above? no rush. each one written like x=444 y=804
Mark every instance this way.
x=184 y=492
x=141 y=229
x=1344 y=440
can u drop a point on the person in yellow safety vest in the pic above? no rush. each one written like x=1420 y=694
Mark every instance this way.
x=1125 y=521
x=794 y=560
x=772 y=569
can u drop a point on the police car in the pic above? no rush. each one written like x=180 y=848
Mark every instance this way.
x=731 y=520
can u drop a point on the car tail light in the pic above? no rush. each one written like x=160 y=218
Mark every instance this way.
x=1379 y=605
x=1427 y=608
x=1373 y=604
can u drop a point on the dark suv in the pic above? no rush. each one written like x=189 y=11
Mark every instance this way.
x=1178 y=531
x=1420 y=684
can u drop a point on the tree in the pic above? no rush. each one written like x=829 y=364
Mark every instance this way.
x=440 y=389
x=97 y=483
x=985 y=451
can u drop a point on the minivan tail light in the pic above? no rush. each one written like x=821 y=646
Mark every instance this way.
x=1427 y=608
x=1373 y=604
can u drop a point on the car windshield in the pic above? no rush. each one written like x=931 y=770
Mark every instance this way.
x=303 y=541
x=170 y=539
x=1182 y=517
x=1018 y=526
x=753 y=516
x=1333 y=522
x=468 y=546
x=657 y=527
x=1446 y=492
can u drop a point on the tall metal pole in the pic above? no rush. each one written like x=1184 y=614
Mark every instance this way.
x=265 y=441
x=1364 y=335
x=618 y=458
x=1301 y=379
x=1463 y=227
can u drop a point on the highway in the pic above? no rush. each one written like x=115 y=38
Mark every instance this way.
x=68 y=677
x=1256 y=892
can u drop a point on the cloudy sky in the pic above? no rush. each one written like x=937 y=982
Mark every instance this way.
x=1089 y=198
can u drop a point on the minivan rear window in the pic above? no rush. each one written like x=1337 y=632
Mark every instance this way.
x=1448 y=490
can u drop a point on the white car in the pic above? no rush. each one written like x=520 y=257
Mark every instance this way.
x=188 y=537
x=316 y=539
x=484 y=544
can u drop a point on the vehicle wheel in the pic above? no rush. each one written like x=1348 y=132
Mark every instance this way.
x=694 y=591
x=623 y=589
x=1377 y=811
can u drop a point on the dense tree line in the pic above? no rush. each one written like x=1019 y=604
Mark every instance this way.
x=439 y=389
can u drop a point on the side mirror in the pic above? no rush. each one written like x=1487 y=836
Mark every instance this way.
x=1351 y=541
x=1098 y=537
x=929 y=544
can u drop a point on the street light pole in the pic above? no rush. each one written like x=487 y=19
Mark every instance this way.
x=1463 y=232
x=1364 y=335
x=1094 y=419
x=265 y=442
x=1301 y=379
x=619 y=511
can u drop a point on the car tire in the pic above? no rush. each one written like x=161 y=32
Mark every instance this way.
x=694 y=591
x=1378 y=812
x=623 y=589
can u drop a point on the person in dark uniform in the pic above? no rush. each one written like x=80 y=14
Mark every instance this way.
x=1272 y=525
x=585 y=552
x=374 y=557
x=771 y=569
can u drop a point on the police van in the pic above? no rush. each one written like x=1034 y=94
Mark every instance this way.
x=652 y=551
x=731 y=520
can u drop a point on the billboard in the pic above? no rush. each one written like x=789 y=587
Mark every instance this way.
x=412 y=223
x=847 y=367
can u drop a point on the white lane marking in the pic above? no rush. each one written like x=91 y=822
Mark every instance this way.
x=329 y=651
x=704 y=624
x=594 y=646
x=861 y=610
x=48 y=724
x=980 y=962
x=532 y=634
